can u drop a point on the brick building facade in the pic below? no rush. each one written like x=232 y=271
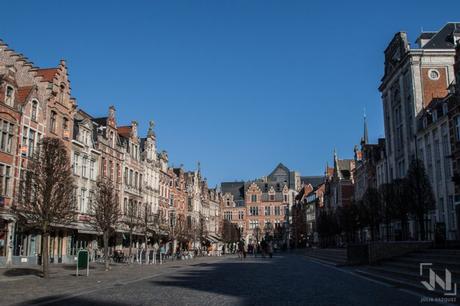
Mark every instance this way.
x=262 y=207
x=35 y=103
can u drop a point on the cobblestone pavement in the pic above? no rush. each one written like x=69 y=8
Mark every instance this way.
x=287 y=279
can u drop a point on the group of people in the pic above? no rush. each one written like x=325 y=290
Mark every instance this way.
x=264 y=248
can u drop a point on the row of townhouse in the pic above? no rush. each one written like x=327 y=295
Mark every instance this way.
x=420 y=98
x=265 y=208
x=35 y=103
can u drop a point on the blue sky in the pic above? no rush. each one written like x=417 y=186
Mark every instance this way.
x=237 y=85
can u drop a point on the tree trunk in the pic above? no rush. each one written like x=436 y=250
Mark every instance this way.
x=45 y=254
x=147 y=259
x=130 y=252
x=388 y=230
x=106 y=250
x=422 y=227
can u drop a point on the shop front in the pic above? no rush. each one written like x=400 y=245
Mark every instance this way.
x=26 y=246
x=3 y=241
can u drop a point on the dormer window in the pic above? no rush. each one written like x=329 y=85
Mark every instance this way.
x=33 y=112
x=9 y=97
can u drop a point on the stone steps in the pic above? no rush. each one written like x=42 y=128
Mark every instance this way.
x=336 y=257
x=404 y=271
x=443 y=252
x=451 y=264
x=438 y=267
x=401 y=283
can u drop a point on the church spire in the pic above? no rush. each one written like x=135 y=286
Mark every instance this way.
x=336 y=161
x=365 y=136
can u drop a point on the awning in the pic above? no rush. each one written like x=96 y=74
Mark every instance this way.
x=86 y=229
x=213 y=238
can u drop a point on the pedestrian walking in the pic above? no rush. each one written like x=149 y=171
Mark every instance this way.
x=270 y=249
x=240 y=249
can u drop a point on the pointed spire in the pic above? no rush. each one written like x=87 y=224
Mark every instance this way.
x=336 y=164
x=365 y=136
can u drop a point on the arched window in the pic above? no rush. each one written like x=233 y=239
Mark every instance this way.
x=33 y=112
x=9 y=97
x=61 y=93
x=65 y=127
x=53 y=121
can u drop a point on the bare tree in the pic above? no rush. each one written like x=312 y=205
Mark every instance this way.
x=372 y=210
x=162 y=222
x=147 y=224
x=46 y=192
x=230 y=232
x=106 y=212
x=180 y=231
x=132 y=221
x=348 y=217
x=419 y=194
x=389 y=201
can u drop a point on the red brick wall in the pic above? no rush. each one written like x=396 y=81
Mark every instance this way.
x=434 y=88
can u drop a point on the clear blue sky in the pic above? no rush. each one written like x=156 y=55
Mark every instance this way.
x=237 y=85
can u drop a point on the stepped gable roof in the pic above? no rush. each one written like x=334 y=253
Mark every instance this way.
x=47 y=74
x=265 y=186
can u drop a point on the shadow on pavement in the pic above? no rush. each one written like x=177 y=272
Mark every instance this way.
x=74 y=301
x=74 y=267
x=239 y=279
x=14 y=272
